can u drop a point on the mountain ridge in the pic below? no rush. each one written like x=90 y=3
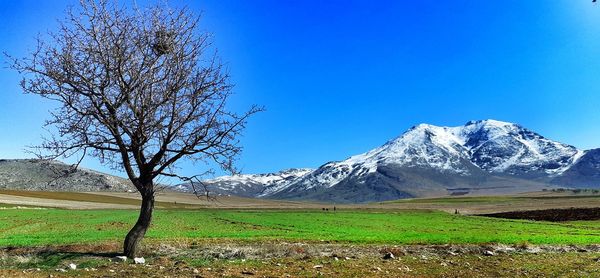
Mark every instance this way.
x=430 y=160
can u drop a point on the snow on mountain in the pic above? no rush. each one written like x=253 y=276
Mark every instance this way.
x=584 y=173
x=268 y=179
x=281 y=180
x=502 y=147
x=422 y=146
x=255 y=185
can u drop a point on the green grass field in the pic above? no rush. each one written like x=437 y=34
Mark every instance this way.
x=61 y=227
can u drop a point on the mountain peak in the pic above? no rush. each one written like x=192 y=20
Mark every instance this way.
x=295 y=170
x=490 y=123
x=423 y=126
x=458 y=133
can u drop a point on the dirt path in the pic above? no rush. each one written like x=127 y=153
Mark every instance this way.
x=39 y=202
x=218 y=202
x=464 y=205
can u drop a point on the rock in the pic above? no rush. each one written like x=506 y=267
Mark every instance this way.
x=326 y=254
x=61 y=270
x=389 y=256
x=504 y=249
x=139 y=260
x=488 y=253
x=318 y=266
x=72 y=266
x=195 y=271
x=121 y=258
x=405 y=269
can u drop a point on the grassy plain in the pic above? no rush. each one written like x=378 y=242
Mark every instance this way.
x=245 y=238
x=35 y=227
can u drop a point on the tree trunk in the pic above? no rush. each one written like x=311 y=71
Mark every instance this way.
x=135 y=236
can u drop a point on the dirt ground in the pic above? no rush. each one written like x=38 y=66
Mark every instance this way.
x=55 y=203
x=306 y=260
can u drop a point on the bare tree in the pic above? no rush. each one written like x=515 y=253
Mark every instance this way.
x=138 y=89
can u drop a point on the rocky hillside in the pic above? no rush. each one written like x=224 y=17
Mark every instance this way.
x=33 y=174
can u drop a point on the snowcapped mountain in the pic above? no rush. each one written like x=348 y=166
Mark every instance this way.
x=252 y=185
x=423 y=146
x=501 y=147
x=481 y=156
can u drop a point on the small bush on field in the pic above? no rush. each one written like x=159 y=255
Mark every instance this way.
x=523 y=245
x=299 y=250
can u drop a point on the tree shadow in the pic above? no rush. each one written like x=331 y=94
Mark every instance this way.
x=75 y=254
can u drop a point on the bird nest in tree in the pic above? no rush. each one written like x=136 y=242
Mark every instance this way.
x=164 y=42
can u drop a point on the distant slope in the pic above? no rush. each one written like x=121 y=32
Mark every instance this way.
x=33 y=174
x=585 y=172
x=253 y=185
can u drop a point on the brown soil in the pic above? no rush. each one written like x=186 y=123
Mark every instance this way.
x=554 y=215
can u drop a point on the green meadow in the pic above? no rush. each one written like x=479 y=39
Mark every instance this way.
x=31 y=227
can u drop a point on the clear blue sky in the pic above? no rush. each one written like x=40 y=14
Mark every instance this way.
x=341 y=77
